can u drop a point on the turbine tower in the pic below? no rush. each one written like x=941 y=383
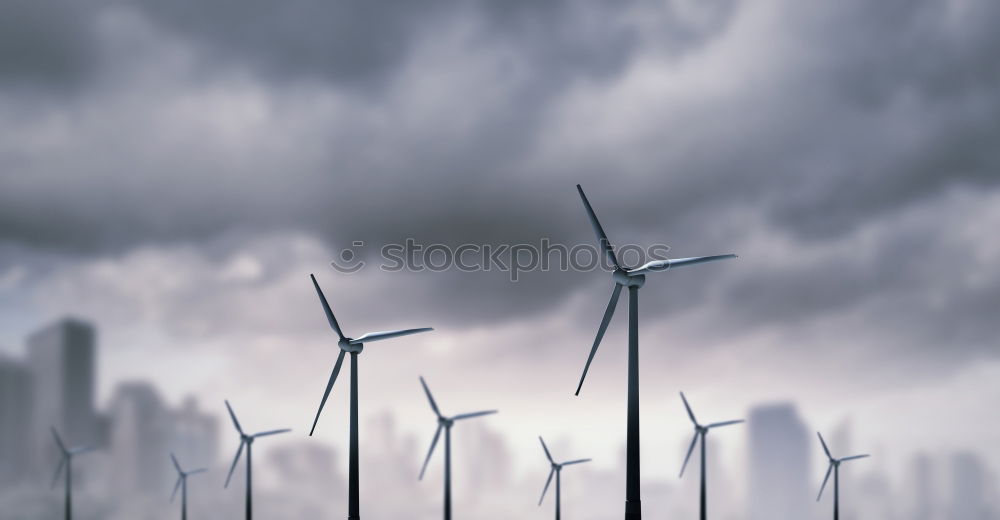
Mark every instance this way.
x=354 y=346
x=701 y=432
x=556 y=470
x=633 y=279
x=835 y=468
x=445 y=423
x=247 y=440
x=182 y=484
x=66 y=461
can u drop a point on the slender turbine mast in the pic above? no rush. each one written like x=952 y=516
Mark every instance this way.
x=182 y=484
x=701 y=432
x=247 y=440
x=556 y=470
x=354 y=346
x=445 y=423
x=66 y=461
x=633 y=279
x=835 y=468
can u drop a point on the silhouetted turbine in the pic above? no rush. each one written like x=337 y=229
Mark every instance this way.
x=835 y=468
x=445 y=423
x=66 y=461
x=182 y=485
x=247 y=440
x=701 y=432
x=557 y=471
x=354 y=346
x=633 y=279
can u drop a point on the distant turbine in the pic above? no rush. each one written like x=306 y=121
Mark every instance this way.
x=247 y=440
x=182 y=484
x=445 y=423
x=354 y=346
x=557 y=470
x=702 y=433
x=835 y=468
x=67 y=461
x=633 y=279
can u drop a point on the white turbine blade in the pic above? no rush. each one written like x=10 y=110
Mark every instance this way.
x=854 y=457
x=326 y=309
x=329 y=387
x=827 y=477
x=546 y=488
x=430 y=398
x=377 y=336
x=726 y=423
x=825 y=449
x=271 y=432
x=176 y=487
x=546 y=448
x=62 y=447
x=577 y=461
x=662 y=265
x=196 y=471
x=177 y=465
x=694 y=441
x=608 y=313
x=602 y=237
x=235 y=460
x=232 y=415
x=688 y=408
x=473 y=414
x=430 y=452
x=59 y=468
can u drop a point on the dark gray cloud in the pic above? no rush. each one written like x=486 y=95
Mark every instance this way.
x=46 y=45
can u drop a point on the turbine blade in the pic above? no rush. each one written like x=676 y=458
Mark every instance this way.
x=329 y=387
x=690 y=451
x=326 y=308
x=577 y=461
x=377 y=336
x=235 y=460
x=62 y=447
x=196 y=471
x=726 y=423
x=177 y=465
x=688 y=408
x=430 y=398
x=855 y=457
x=662 y=265
x=81 y=449
x=829 y=469
x=825 y=449
x=602 y=237
x=546 y=448
x=232 y=415
x=59 y=468
x=271 y=432
x=473 y=414
x=608 y=313
x=176 y=487
x=430 y=452
x=546 y=488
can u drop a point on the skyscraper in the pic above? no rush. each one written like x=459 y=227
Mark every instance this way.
x=195 y=434
x=968 y=488
x=140 y=431
x=780 y=472
x=16 y=405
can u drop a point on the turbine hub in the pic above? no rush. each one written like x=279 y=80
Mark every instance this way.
x=446 y=422
x=346 y=346
x=621 y=277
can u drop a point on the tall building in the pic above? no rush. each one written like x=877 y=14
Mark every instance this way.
x=922 y=488
x=968 y=488
x=61 y=358
x=140 y=433
x=780 y=449
x=16 y=428
x=195 y=435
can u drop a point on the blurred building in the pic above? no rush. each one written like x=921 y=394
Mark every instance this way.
x=780 y=473
x=140 y=431
x=968 y=488
x=923 y=504
x=194 y=435
x=16 y=428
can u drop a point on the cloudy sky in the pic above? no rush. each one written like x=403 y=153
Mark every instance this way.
x=173 y=171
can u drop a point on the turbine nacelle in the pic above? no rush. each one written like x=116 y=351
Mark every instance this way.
x=346 y=345
x=621 y=277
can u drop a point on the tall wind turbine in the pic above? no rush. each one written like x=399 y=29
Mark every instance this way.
x=835 y=468
x=66 y=461
x=182 y=484
x=632 y=278
x=701 y=432
x=247 y=440
x=445 y=423
x=354 y=346
x=556 y=470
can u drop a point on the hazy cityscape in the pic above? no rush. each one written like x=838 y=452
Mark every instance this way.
x=130 y=477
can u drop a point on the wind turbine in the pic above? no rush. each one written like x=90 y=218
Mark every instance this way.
x=182 y=484
x=445 y=423
x=557 y=470
x=247 y=440
x=633 y=279
x=702 y=433
x=835 y=468
x=354 y=346
x=66 y=461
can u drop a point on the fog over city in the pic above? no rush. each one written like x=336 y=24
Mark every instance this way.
x=172 y=172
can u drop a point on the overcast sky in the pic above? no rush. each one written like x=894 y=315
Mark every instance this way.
x=173 y=171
